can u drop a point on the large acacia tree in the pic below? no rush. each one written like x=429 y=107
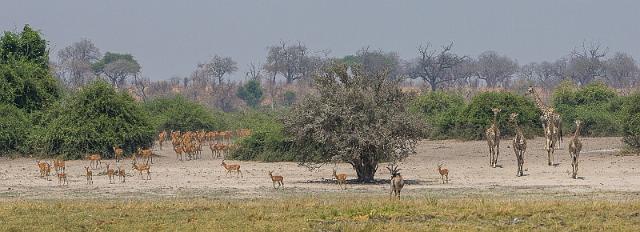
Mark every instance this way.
x=357 y=117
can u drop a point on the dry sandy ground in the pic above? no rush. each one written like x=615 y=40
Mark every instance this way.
x=602 y=173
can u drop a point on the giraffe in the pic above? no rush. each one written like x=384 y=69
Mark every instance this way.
x=574 y=148
x=551 y=125
x=519 y=143
x=493 y=139
x=551 y=134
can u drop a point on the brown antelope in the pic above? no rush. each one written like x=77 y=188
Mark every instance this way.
x=221 y=148
x=179 y=151
x=274 y=179
x=118 y=152
x=121 y=175
x=89 y=174
x=231 y=167
x=45 y=169
x=110 y=174
x=161 y=137
x=142 y=168
x=212 y=147
x=62 y=178
x=198 y=149
x=189 y=149
x=397 y=182
x=444 y=173
x=341 y=179
x=95 y=159
x=59 y=165
x=146 y=154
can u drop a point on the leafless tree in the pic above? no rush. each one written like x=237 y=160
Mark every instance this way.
x=141 y=84
x=621 y=70
x=275 y=60
x=436 y=66
x=160 y=88
x=495 y=69
x=546 y=74
x=585 y=63
x=76 y=60
x=175 y=81
x=254 y=72
x=218 y=66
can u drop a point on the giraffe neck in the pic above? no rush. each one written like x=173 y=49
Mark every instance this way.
x=577 y=133
x=539 y=101
x=518 y=129
x=495 y=119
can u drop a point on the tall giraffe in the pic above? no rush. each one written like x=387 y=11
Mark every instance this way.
x=519 y=143
x=575 y=146
x=551 y=124
x=493 y=139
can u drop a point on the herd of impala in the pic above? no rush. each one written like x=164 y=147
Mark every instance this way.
x=190 y=144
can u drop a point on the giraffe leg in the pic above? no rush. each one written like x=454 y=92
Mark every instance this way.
x=497 y=150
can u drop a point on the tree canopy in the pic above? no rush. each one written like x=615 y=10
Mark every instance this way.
x=357 y=117
x=25 y=80
x=94 y=120
x=117 y=67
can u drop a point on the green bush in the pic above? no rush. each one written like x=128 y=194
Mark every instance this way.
x=439 y=110
x=476 y=117
x=93 y=120
x=14 y=129
x=449 y=116
x=631 y=117
x=178 y=113
x=267 y=141
x=25 y=78
x=597 y=105
x=251 y=93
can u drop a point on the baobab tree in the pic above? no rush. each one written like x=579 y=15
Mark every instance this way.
x=436 y=66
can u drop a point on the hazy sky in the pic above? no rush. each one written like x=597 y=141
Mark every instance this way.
x=170 y=37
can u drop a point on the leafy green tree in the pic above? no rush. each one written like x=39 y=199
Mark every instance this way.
x=25 y=80
x=251 y=93
x=357 y=117
x=596 y=104
x=439 y=109
x=14 y=129
x=94 y=120
x=631 y=118
x=26 y=46
x=476 y=117
x=178 y=113
x=117 y=67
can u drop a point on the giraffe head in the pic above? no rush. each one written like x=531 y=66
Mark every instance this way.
x=513 y=117
x=496 y=110
x=578 y=123
x=530 y=90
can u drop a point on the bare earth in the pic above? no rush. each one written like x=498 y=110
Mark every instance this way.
x=603 y=173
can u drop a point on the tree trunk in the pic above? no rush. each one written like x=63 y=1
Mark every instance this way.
x=365 y=168
x=434 y=85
